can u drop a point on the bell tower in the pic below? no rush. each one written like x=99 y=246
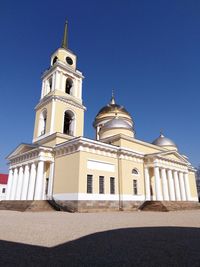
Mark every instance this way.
x=60 y=111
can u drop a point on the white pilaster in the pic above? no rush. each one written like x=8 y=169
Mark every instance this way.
x=53 y=81
x=52 y=116
x=31 y=187
x=19 y=184
x=57 y=74
x=164 y=184
x=9 y=185
x=187 y=186
x=14 y=185
x=147 y=184
x=39 y=181
x=171 y=186
x=25 y=183
x=157 y=184
x=51 y=177
x=182 y=186
x=177 y=187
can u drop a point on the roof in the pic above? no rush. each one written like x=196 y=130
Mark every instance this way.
x=163 y=141
x=3 y=178
x=116 y=123
x=112 y=108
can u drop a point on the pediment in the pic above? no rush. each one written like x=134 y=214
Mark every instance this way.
x=169 y=155
x=22 y=148
x=173 y=155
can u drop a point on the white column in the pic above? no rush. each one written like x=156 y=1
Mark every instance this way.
x=56 y=86
x=25 y=183
x=164 y=184
x=182 y=186
x=177 y=187
x=39 y=181
x=19 y=184
x=171 y=186
x=14 y=185
x=147 y=184
x=158 y=184
x=187 y=186
x=53 y=81
x=9 y=185
x=52 y=116
x=51 y=178
x=31 y=187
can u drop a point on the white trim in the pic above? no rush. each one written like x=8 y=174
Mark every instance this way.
x=132 y=197
x=85 y=196
x=99 y=197
x=101 y=166
x=193 y=199
x=52 y=116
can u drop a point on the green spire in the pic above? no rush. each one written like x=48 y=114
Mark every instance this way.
x=65 y=39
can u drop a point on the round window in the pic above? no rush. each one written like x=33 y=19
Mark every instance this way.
x=69 y=60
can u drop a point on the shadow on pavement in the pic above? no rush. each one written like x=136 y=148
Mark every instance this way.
x=148 y=246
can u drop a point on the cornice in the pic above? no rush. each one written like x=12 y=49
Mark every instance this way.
x=58 y=65
x=47 y=99
x=96 y=147
x=30 y=155
x=134 y=140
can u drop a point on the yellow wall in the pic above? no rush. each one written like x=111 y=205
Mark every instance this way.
x=138 y=147
x=48 y=107
x=62 y=53
x=60 y=109
x=96 y=173
x=193 y=186
x=111 y=132
x=66 y=174
x=126 y=181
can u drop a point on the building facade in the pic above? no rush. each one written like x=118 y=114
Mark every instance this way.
x=3 y=185
x=115 y=171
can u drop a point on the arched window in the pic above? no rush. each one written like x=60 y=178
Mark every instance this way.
x=49 y=85
x=42 y=123
x=68 y=86
x=135 y=171
x=68 y=127
x=54 y=60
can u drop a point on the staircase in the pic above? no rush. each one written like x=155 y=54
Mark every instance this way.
x=169 y=205
x=26 y=205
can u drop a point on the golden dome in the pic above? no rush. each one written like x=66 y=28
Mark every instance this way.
x=110 y=111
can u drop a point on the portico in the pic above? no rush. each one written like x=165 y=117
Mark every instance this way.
x=169 y=182
x=31 y=179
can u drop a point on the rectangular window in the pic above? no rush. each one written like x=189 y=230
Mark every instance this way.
x=89 y=184
x=101 y=184
x=3 y=190
x=112 y=185
x=135 y=187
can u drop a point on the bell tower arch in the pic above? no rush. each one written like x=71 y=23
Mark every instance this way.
x=61 y=93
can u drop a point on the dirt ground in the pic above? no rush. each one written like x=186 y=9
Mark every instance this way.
x=100 y=239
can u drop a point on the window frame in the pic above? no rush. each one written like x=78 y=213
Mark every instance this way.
x=112 y=185
x=89 y=186
x=101 y=185
x=135 y=187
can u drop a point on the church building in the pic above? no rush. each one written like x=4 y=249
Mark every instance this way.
x=114 y=171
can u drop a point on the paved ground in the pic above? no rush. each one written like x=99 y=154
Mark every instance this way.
x=100 y=239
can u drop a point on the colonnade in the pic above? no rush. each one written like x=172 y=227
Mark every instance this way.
x=26 y=182
x=169 y=185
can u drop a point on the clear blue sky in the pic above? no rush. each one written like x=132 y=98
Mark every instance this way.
x=148 y=51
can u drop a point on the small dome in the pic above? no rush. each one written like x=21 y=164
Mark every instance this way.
x=163 y=141
x=116 y=123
